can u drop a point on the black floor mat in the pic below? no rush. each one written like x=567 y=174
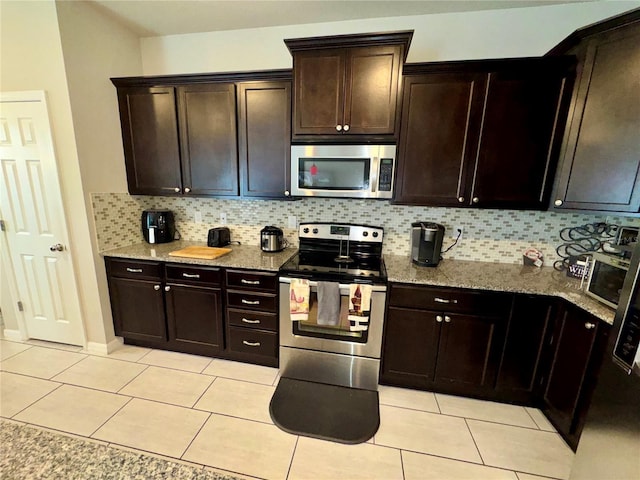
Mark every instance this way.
x=329 y=412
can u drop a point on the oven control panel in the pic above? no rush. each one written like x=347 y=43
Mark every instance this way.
x=341 y=231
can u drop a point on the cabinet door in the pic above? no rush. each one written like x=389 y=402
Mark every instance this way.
x=371 y=90
x=529 y=325
x=410 y=347
x=264 y=138
x=573 y=342
x=515 y=155
x=194 y=316
x=138 y=309
x=319 y=92
x=469 y=350
x=150 y=140
x=208 y=139
x=601 y=164
x=438 y=139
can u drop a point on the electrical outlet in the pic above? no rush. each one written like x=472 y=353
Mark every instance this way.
x=292 y=222
x=223 y=218
x=197 y=216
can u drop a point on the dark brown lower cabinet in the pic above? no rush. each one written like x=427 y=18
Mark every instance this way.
x=576 y=351
x=138 y=309
x=530 y=323
x=449 y=351
x=194 y=318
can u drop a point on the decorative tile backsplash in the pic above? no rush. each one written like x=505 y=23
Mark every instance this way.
x=489 y=235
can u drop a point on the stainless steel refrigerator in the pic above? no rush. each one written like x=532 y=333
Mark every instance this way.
x=609 y=447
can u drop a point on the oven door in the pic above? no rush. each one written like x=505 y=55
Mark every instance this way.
x=337 y=338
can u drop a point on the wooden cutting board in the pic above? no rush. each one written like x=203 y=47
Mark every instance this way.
x=205 y=253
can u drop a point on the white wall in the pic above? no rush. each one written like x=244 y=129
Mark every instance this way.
x=96 y=48
x=516 y=32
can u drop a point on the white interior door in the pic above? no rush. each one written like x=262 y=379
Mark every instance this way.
x=35 y=227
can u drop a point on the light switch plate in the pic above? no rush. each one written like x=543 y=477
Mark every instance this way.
x=292 y=222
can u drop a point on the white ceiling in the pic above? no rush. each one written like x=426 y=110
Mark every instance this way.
x=150 y=18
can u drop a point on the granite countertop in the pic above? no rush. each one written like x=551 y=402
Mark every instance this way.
x=242 y=256
x=501 y=277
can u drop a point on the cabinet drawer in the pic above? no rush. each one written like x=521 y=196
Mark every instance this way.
x=134 y=269
x=252 y=280
x=253 y=301
x=187 y=274
x=246 y=340
x=450 y=300
x=247 y=318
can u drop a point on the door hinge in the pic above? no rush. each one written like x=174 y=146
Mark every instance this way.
x=2 y=226
x=20 y=306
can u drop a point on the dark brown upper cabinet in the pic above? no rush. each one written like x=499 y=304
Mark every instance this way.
x=346 y=87
x=207 y=121
x=264 y=131
x=481 y=133
x=216 y=135
x=600 y=163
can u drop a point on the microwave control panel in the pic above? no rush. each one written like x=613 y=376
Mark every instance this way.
x=385 y=175
x=628 y=339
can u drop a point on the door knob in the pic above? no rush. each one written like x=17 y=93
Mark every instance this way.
x=475 y=200
x=461 y=199
x=346 y=128
x=156 y=287
x=339 y=128
x=187 y=190
x=177 y=190
x=286 y=193
x=58 y=247
x=557 y=203
x=167 y=288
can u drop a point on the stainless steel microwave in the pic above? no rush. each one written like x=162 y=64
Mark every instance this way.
x=349 y=171
x=606 y=278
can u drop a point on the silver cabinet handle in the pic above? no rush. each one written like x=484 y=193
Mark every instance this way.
x=445 y=300
x=345 y=128
x=187 y=190
x=177 y=190
x=339 y=128
x=58 y=247
x=167 y=288
x=461 y=199
x=246 y=320
x=190 y=275
x=558 y=202
x=251 y=344
x=589 y=325
x=475 y=199
x=439 y=318
x=134 y=270
x=250 y=302
x=447 y=318
x=250 y=282
x=287 y=193
x=156 y=287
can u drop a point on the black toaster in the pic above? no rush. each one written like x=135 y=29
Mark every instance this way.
x=219 y=237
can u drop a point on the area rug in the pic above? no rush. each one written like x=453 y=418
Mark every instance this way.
x=328 y=412
x=31 y=453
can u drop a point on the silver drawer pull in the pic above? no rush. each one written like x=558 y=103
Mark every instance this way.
x=189 y=275
x=250 y=282
x=444 y=300
x=246 y=320
x=251 y=344
x=250 y=302
x=134 y=270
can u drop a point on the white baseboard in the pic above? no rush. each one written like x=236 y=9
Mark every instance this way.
x=104 y=348
x=10 y=334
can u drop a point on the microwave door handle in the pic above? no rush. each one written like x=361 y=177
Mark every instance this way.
x=373 y=174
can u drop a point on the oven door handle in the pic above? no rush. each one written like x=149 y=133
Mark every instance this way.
x=374 y=288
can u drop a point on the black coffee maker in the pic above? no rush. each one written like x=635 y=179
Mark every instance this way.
x=158 y=226
x=426 y=243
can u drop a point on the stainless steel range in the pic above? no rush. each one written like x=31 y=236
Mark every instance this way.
x=330 y=348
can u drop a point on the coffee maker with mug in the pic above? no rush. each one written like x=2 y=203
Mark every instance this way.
x=426 y=243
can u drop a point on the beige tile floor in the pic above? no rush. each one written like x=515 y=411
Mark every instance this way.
x=215 y=413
